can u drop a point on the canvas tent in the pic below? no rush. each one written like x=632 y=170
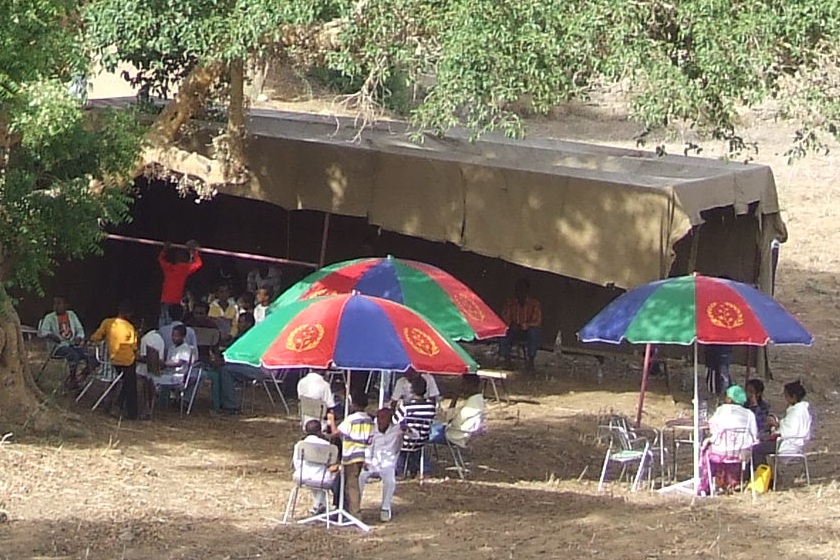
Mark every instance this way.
x=599 y=214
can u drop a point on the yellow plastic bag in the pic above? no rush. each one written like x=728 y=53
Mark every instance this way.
x=761 y=480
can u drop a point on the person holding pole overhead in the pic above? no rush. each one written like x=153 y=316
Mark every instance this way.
x=177 y=266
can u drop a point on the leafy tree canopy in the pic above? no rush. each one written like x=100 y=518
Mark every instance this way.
x=58 y=163
x=697 y=61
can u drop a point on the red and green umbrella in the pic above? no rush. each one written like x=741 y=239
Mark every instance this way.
x=351 y=332
x=450 y=305
x=694 y=310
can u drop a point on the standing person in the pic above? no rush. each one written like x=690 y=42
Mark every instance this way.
x=176 y=266
x=523 y=316
x=262 y=309
x=381 y=459
x=121 y=338
x=63 y=329
x=417 y=415
x=356 y=431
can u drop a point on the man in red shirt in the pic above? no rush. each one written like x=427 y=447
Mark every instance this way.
x=523 y=316
x=177 y=267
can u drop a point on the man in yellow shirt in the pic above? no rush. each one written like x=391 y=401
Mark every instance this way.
x=121 y=338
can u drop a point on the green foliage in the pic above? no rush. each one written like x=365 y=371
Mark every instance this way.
x=476 y=62
x=57 y=160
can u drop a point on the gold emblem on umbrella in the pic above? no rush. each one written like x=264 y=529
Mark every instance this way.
x=466 y=304
x=421 y=341
x=305 y=337
x=322 y=291
x=725 y=314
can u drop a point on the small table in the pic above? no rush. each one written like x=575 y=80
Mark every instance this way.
x=682 y=431
x=496 y=379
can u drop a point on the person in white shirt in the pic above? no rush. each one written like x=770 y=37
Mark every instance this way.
x=381 y=459
x=792 y=431
x=313 y=474
x=177 y=363
x=732 y=432
x=463 y=421
x=150 y=344
x=261 y=309
x=176 y=315
x=402 y=388
x=314 y=386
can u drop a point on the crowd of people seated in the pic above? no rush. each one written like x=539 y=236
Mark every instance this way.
x=743 y=428
x=389 y=444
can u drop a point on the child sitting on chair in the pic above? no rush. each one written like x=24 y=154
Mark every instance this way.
x=381 y=459
x=313 y=473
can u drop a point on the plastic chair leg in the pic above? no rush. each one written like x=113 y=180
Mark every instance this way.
x=604 y=470
x=291 y=503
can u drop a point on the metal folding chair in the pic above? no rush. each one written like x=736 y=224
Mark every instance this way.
x=737 y=444
x=105 y=373
x=625 y=449
x=789 y=458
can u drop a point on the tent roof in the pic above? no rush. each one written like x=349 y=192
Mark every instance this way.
x=596 y=213
x=699 y=183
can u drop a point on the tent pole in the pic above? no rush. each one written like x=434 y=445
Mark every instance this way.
x=696 y=445
x=322 y=259
x=645 y=372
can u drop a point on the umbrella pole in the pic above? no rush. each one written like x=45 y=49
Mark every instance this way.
x=696 y=445
x=645 y=370
x=381 y=389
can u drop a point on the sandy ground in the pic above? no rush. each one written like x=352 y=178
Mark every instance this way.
x=215 y=487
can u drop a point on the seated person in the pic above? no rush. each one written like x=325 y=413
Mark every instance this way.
x=313 y=474
x=177 y=363
x=461 y=421
x=759 y=407
x=416 y=414
x=402 y=388
x=718 y=447
x=152 y=349
x=245 y=303
x=261 y=309
x=314 y=386
x=176 y=315
x=524 y=320
x=223 y=307
x=65 y=333
x=794 y=429
x=209 y=354
x=244 y=373
x=381 y=458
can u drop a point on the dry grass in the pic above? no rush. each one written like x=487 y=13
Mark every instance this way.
x=215 y=487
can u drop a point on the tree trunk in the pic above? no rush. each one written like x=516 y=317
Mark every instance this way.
x=20 y=398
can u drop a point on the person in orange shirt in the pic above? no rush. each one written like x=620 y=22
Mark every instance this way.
x=524 y=319
x=121 y=338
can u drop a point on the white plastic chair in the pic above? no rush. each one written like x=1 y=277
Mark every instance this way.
x=476 y=426
x=311 y=408
x=737 y=444
x=319 y=454
x=51 y=350
x=789 y=458
x=277 y=377
x=181 y=382
x=625 y=449
x=104 y=373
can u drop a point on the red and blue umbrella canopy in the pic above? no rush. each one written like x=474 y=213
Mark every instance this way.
x=353 y=332
x=695 y=308
x=452 y=307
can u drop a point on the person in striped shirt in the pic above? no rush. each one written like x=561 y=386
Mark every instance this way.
x=417 y=415
x=356 y=432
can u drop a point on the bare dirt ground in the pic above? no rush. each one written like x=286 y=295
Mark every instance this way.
x=215 y=487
